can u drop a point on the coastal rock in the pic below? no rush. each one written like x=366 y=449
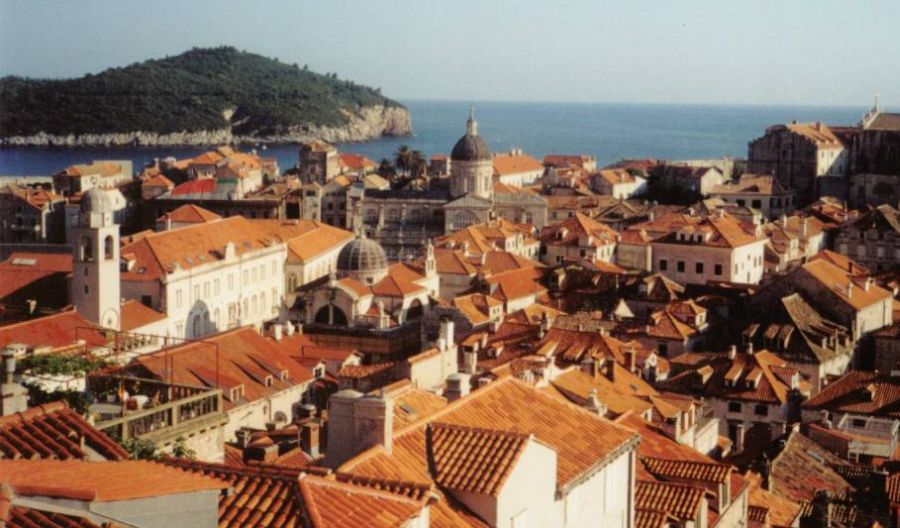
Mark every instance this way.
x=368 y=123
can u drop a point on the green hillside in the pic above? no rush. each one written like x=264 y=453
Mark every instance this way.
x=187 y=92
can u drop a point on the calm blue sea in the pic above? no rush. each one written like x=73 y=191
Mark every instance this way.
x=608 y=131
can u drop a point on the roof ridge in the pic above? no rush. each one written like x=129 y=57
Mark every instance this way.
x=32 y=412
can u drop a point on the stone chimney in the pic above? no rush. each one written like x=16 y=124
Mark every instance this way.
x=309 y=438
x=356 y=423
x=288 y=328
x=470 y=362
x=276 y=332
x=458 y=385
x=630 y=360
x=594 y=404
x=13 y=396
x=445 y=333
x=261 y=450
x=732 y=352
x=750 y=348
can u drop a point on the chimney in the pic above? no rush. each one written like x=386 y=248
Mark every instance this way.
x=868 y=283
x=732 y=352
x=821 y=509
x=356 y=423
x=594 y=404
x=470 y=362
x=309 y=438
x=630 y=363
x=849 y=289
x=13 y=396
x=750 y=348
x=168 y=222
x=276 y=332
x=610 y=367
x=262 y=449
x=804 y=223
x=288 y=328
x=545 y=325
x=445 y=332
x=826 y=421
x=458 y=385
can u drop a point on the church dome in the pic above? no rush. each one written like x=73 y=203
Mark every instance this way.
x=471 y=148
x=362 y=258
x=97 y=201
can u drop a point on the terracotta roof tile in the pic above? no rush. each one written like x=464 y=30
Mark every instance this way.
x=243 y=358
x=189 y=214
x=687 y=469
x=60 y=330
x=306 y=239
x=53 y=431
x=572 y=230
x=24 y=268
x=580 y=438
x=802 y=468
x=860 y=392
x=678 y=500
x=101 y=481
x=135 y=315
x=505 y=164
x=835 y=279
x=472 y=460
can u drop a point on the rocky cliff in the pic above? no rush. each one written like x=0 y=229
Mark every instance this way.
x=369 y=123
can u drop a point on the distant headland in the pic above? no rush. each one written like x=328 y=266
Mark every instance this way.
x=204 y=96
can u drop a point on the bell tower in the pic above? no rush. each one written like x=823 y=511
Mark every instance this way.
x=95 y=264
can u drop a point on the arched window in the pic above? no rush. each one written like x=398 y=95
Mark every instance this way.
x=109 y=249
x=197 y=329
x=415 y=310
x=87 y=251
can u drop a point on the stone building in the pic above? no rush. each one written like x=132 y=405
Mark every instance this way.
x=319 y=162
x=799 y=155
x=403 y=220
x=873 y=239
x=759 y=191
x=30 y=214
x=875 y=160
x=106 y=174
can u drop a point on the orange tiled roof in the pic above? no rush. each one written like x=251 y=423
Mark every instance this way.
x=835 y=279
x=860 y=392
x=306 y=239
x=33 y=517
x=802 y=468
x=356 y=162
x=157 y=254
x=189 y=214
x=578 y=385
x=818 y=133
x=845 y=263
x=327 y=504
x=759 y=377
x=505 y=164
x=782 y=512
x=453 y=261
x=616 y=176
x=158 y=180
x=244 y=358
x=567 y=160
x=101 y=481
x=136 y=315
x=24 y=268
x=53 y=431
x=581 y=439
x=473 y=460
x=579 y=226
x=678 y=500
x=476 y=307
x=687 y=469
x=100 y=169
x=59 y=330
x=412 y=404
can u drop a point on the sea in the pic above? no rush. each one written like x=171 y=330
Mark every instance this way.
x=608 y=131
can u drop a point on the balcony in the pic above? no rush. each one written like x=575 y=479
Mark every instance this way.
x=154 y=410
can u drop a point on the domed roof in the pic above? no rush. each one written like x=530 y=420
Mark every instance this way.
x=362 y=255
x=97 y=201
x=471 y=148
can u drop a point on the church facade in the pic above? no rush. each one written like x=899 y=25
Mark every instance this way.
x=403 y=221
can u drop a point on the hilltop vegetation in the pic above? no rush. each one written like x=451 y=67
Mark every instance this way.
x=194 y=91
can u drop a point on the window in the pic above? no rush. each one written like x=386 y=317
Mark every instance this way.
x=699 y=267
x=718 y=269
x=761 y=410
x=756 y=204
x=109 y=250
x=859 y=422
x=147 y=300
x=734 y=407
x=680 y=266
x=663 y=265
x=662 y=349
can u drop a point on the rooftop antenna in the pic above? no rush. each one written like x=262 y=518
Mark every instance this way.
x=877 y=103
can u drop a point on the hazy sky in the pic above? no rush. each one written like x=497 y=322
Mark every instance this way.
x=786 y=52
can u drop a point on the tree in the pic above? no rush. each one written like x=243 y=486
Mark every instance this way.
x=386 y=169
x=180 y=449
x=417 y=164
x=402 y=159
x=141 y=449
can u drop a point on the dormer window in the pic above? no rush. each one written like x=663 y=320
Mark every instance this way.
x=319 y=372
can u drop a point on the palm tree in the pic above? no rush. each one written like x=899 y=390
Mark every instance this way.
x=386 y=169
x=417 y=164
x=402 y=159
